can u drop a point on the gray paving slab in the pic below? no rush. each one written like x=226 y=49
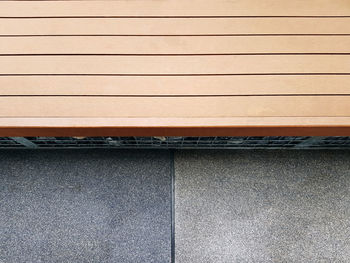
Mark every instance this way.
x=262 y=206
x=84 y=206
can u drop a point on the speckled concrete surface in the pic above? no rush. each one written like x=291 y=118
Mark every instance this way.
x=272 y=206
x=84 y=206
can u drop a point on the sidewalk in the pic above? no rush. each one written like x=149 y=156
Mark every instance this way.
x=230 y=206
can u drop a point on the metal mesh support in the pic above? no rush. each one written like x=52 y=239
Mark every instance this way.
x=7 y=142
x=25 y=142
x=275 y=142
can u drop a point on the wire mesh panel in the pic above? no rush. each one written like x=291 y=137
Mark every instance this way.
x=275 y=142
x=7 y=142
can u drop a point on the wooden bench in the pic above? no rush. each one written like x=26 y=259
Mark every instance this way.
x=175 y=68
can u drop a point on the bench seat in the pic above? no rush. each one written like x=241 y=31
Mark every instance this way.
x=175 y=68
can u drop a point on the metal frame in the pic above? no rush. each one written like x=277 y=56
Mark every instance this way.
x=275 y=142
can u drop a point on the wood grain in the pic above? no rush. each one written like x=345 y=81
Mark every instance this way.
x=247 y=126
x=174 y=45
x=175 y=64
x=175 y=68
x=216 y=107
x=163 y=85
x=176 y=122
x=174 y=26
x=175 y=8
x=96 y=131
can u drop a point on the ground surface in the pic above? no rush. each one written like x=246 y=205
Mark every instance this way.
x=269 y=206
x=64 y=206
x=230 y=206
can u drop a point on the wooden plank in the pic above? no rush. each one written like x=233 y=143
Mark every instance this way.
x=174 y=45
x=175 y=8
x=174 y=26
x=242 y=64
x=188 y=107
x=72 y=131
x=176 y=122
x=162 y=85
x=306 y=126
x=247 y=126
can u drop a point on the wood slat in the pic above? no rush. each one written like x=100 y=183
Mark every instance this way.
x=151 y=107
x=197 y=85
x=247 y=126
x=174 y=45
x=96 y=131
x=175 y=8
x=174 y=64
x=176 y=122
x=173 y=26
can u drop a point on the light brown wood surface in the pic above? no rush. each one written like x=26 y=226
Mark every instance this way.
x=182 y=68
x=174 y=45
x=108 y=122
x=174 y=26
x=153 y=107
x=175 y=65
x=179 y=85
x=124 y=8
